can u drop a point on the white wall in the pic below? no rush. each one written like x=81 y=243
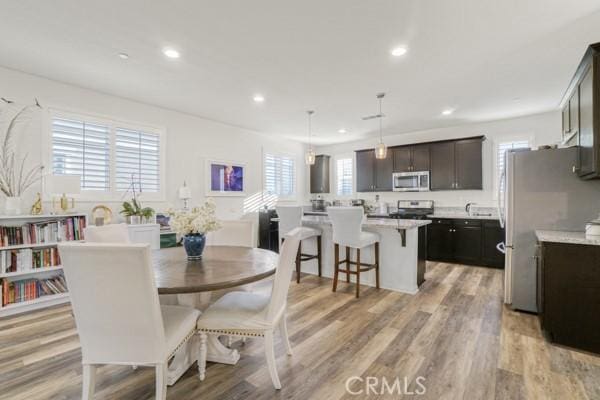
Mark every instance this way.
x=189 y=140
x=540 y=129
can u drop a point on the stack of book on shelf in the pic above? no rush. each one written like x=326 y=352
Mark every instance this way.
x=23 y=260
x=31 y=289
x=70 y=228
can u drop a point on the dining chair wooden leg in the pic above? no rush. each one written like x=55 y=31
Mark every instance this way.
x=377 y=265
x=285 y=336
x=89 y=381
x=298 y=261
x=270 y=355
x=319 y=258
x=357 y=273
x=347 y=264
x=202 y=356
x=336 y=265
x=161 y=381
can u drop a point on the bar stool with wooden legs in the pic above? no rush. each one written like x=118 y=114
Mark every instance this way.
x=347 y=232
x=290 y=217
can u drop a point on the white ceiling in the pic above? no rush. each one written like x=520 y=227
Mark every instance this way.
x=488 y=59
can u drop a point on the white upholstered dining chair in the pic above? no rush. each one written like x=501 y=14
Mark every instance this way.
x=112 y=233
x=239 y=232
x=248 y=314
x=119 y=319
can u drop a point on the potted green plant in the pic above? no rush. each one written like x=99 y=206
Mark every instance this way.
x=134 y=212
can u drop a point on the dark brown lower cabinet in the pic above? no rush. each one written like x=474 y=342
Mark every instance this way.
x=465 y=241
x=492 y=234
x=569 y=294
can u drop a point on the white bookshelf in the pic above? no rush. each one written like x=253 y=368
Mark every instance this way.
x=30 y=305
x=43 y=301
x=34 y=271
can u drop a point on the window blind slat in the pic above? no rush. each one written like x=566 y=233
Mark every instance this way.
x=279 y=175
x=344 y=176
x=83 y=149
x=137 y=158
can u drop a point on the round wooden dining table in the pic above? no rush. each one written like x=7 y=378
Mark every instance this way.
x=221 y=267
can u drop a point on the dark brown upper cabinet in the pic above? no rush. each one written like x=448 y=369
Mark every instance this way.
x=319 y=174
x=402 y=159
x=411 y=158
x=365 y=171
x=442 y=166
x=373 y=175
x=383 y=173
x=457 y=165
x=453 y=164
x=420 y=157
x=581 y=114
x=468 y=164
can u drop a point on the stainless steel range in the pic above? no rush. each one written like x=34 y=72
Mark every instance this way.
x=413 y=209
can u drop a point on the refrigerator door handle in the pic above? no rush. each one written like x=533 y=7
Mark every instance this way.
x=501 y=247
x=501 y=181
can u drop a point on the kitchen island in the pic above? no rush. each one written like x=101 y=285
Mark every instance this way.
x=402 y=252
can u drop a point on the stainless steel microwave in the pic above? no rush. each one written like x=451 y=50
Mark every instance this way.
x=415 y=181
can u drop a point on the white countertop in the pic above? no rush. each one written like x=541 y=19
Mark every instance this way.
x=372 y=222
x=567 y=237
x=461 y=215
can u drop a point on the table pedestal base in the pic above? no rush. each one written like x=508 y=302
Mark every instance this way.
x=188 y=354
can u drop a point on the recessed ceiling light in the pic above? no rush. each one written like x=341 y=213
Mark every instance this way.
x=342 y=130
x=259 y=98
x=123 y=56
x=447 y=111
x=399 y=51
x=170 y=52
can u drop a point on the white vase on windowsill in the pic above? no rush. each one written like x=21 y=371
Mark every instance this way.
x=12 y=206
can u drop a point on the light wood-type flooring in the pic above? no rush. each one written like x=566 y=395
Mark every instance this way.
x=455 y=333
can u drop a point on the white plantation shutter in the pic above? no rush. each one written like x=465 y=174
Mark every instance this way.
x=501 y=155
x=344 y=176
x=81 y=148
x=280 y=175
x=137 y=157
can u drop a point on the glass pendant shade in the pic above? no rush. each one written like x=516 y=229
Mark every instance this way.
x=310 y=157
x=380 y=151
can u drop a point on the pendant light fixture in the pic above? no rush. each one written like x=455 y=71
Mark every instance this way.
x=310 y=154
x=380 y=149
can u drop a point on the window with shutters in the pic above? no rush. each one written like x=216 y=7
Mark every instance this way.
x=109 y=156
x=80 y=148
x=137 y=160
x=279 y=175
x=343 y=168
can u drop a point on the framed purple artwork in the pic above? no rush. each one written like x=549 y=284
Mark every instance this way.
x=225 y=178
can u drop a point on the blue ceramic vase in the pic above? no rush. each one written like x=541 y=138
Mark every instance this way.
x=194 y=245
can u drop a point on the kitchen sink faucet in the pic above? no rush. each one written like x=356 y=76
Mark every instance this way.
x=468 y=208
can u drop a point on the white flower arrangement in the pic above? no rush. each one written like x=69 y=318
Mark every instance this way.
x=200 y=220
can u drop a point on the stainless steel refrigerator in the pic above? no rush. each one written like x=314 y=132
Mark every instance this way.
x=542 y=192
